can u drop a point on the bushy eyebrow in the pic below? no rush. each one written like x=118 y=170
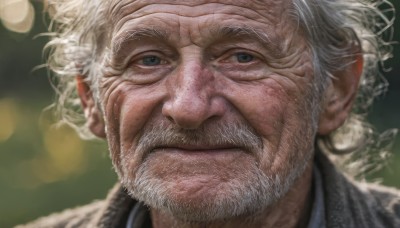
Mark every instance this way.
x=137 y=34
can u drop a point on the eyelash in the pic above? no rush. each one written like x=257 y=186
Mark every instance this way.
x=225 y=58
x=139 y=61
x=150 y=58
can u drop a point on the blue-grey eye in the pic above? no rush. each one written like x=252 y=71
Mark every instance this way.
x=244 y=57
x=151 y=60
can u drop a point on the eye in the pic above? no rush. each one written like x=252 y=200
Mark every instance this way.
x=235 y=57
x=242 y=57
x=150 y=60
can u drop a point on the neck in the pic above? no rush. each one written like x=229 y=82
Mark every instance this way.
x=292 y=210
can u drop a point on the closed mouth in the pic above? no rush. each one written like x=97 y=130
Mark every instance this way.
x=189 y=147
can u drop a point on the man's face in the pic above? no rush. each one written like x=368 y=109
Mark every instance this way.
x=208 y=104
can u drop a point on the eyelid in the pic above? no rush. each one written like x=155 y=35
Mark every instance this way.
x=232 y=52
x=134 y=60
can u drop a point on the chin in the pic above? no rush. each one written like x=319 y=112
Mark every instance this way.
x=206 y=198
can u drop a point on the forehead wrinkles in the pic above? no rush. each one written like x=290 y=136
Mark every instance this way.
x=266 y=11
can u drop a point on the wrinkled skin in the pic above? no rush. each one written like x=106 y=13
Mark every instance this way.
x=179 y=64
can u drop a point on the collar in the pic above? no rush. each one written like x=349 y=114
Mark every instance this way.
x=317 y=219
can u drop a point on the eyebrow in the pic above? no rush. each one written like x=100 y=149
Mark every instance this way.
x=217 y=33
x=241 y=32
x=138 y=34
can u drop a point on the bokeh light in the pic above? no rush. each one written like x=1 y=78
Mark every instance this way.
x=8 y=115
x=17 y=15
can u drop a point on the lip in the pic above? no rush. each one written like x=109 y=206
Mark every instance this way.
x=198 y=153
x=197 y=148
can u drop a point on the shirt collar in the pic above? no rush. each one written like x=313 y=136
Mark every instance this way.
x=317 y=218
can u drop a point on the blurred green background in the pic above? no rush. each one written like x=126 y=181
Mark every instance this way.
x=44 y=169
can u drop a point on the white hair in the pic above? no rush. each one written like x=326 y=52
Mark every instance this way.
x=333 y=29
x=81 y=34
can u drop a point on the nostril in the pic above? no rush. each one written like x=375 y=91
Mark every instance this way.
x=170 y=119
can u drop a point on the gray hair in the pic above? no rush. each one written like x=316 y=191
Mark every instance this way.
x=333 y=28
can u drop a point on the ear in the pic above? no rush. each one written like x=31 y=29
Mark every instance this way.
x=93 y=116
x=339 y=96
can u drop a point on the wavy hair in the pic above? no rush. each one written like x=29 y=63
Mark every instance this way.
x=333 y=28
x=79 y=36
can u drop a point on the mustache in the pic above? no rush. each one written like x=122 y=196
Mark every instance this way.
x=218 y=134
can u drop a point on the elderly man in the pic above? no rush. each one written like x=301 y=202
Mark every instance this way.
x=221 y=113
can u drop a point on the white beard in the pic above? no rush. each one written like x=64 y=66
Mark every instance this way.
x=249 y=192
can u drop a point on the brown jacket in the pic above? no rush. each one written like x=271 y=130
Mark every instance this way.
x=348 y=204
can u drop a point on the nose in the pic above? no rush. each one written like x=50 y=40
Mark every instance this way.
x=193 y=98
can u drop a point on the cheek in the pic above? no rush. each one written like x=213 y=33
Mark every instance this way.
x=263 y=105
x=127 y=109
x=113 y=98
x=276 y=112
x=134 y=113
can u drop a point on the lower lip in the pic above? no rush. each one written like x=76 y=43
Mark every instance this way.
x=211 y=153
